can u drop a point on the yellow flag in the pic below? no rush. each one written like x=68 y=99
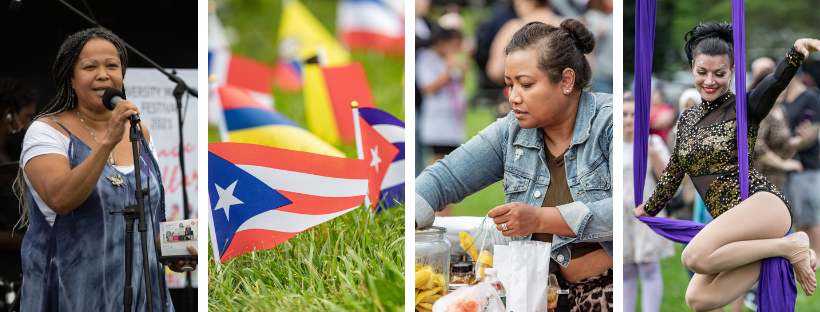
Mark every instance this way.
x=300 y=34
x=319 y=114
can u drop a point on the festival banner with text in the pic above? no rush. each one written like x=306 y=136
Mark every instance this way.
x=152 y=92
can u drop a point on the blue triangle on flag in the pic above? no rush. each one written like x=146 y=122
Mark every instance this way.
x=256 y=197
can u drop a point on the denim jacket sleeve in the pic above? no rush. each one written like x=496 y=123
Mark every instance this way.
x=469 y=169
x=592 y=221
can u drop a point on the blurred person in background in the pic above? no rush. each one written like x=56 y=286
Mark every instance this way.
x=661 y=115
x=598 y=18
x=802 y=106
x=643 y=248
x=759 y=65
x=427 y=31
x=775 y=145
x=17 y=108
x=527 y=11
x=441 y=83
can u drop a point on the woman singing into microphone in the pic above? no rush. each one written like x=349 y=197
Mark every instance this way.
x=77 y=165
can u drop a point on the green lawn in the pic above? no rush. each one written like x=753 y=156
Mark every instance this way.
x=352 y=263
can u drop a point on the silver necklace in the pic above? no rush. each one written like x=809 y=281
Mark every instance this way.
x=115 y=180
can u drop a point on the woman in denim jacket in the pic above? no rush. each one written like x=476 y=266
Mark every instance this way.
x=554 y=154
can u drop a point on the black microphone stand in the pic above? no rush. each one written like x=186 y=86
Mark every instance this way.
x=180 y=89
x=131 y=213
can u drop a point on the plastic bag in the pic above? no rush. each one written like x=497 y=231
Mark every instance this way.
x=479 y=244
x=481 y=297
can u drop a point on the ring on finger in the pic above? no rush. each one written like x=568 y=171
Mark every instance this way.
x=504 y=226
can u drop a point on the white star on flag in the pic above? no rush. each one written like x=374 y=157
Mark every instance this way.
x=374 y=152
x=226 y=199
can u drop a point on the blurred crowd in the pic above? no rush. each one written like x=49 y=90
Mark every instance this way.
x=448 y=50
x=787 y=153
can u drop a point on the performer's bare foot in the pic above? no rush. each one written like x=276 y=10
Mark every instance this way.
x=804 y=262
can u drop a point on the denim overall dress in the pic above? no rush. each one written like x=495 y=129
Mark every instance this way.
x=78 y=264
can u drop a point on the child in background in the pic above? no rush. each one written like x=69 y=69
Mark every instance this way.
x=440 y=80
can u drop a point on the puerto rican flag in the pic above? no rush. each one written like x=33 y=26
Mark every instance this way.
x=370 y=25
x=383 y=148
x=262 y=196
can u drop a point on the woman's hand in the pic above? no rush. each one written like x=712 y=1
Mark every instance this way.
x=639 y=212
x=521 y=219
x=116 y=123
x=807 y=45
x=176 y=265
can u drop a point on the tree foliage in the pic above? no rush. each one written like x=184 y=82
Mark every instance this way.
x=771 y=28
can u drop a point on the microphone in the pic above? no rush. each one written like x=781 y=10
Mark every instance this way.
x=15 y=5
x=111 y=97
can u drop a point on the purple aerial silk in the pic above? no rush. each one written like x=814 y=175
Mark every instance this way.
x=644 y=45
x=776 y=288
x=738 y=26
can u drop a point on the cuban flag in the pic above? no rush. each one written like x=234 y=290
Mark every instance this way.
x=262 y=196
x=370 y=25
x=382 y=138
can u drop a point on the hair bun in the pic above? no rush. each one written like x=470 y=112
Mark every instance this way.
x=712 y=29
x=584 y=39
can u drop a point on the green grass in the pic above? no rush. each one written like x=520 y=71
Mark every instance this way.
x=675 y=281
x=352 y=263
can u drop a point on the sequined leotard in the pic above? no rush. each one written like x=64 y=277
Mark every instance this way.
x=706 y=146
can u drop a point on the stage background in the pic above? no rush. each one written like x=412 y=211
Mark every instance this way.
x=163 y=30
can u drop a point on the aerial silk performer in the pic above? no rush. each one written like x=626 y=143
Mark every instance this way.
x=776 y=290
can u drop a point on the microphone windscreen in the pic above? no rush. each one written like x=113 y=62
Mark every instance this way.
x=109 y=95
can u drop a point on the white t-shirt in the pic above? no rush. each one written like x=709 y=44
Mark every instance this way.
x=42 y=139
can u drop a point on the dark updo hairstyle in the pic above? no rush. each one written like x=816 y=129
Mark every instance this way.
x=66 y=98
x=560 y=48
x=711 y=39
x=63 y=69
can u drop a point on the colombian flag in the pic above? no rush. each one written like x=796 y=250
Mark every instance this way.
x=248 y=121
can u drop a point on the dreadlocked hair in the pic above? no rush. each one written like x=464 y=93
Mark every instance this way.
x=66 y=97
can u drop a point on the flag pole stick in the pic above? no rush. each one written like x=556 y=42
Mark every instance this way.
x=359 y=146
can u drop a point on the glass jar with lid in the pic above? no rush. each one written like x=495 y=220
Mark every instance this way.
x=432 y=264
x=462 y=273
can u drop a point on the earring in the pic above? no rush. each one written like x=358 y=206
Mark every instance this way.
x=8 y=117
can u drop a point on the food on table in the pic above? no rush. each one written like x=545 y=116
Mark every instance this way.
x=430 y=287
x=465 y=305
x=468 y=244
